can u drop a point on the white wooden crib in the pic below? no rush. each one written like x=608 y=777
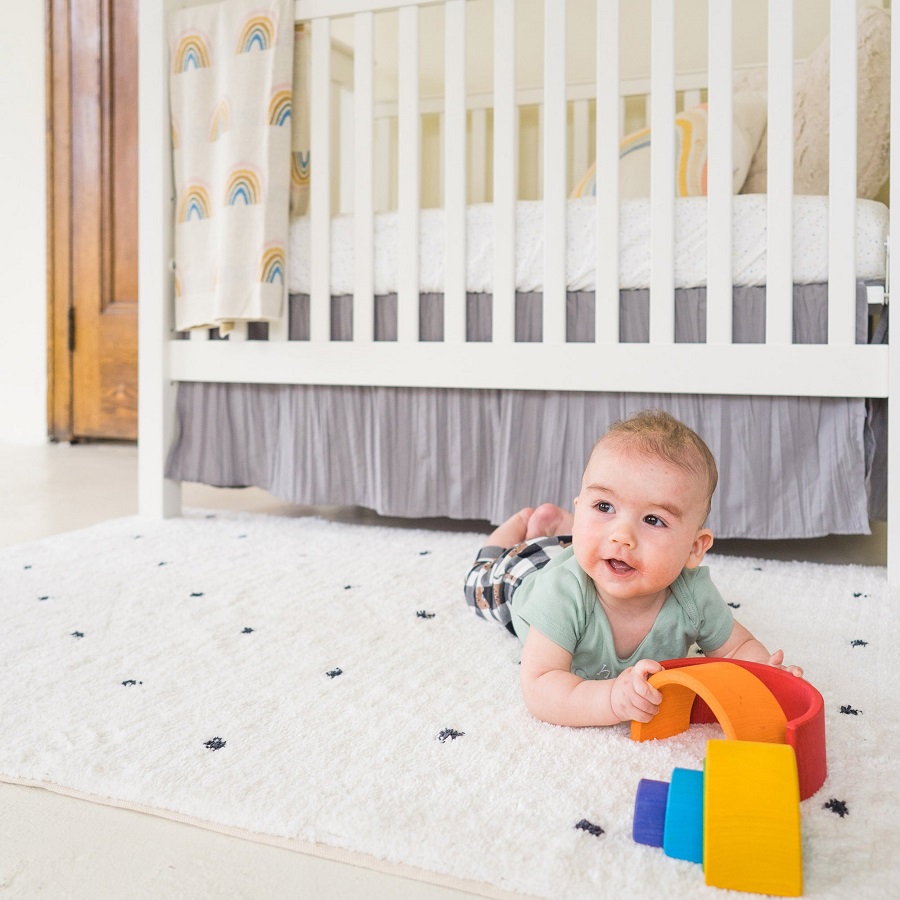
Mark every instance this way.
x=839 y=368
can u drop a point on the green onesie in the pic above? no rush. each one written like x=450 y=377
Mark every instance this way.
x=561 y=602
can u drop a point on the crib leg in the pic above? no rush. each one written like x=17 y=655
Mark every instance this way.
x=157 y=497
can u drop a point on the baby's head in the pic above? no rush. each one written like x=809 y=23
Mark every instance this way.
x=645 y=495
x=655 y=433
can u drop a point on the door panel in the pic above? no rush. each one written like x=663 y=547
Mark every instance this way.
x=102 y=101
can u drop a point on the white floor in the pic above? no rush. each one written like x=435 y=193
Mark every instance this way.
x=55 y=846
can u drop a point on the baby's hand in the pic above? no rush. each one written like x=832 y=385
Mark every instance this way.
x=631 y=697
x=777 y=658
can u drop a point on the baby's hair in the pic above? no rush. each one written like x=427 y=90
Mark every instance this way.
x=656 y=432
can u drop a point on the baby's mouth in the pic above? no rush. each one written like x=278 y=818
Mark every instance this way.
x=619 y=567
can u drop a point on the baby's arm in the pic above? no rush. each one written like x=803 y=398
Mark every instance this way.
x=553 y=693
x=742 y=645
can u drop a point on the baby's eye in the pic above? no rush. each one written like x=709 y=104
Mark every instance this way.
x=655 y=521
x=603 y=506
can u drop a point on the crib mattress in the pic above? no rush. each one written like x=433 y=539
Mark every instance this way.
x=810 y=245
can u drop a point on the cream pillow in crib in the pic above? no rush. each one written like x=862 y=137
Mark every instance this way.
x=811 y=87
x=749 y=115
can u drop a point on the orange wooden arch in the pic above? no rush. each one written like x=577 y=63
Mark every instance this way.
x=745 y=708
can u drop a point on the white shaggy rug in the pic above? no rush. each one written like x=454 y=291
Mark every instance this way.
x=323 y=686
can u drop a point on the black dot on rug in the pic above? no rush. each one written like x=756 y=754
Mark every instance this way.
x=839 y=807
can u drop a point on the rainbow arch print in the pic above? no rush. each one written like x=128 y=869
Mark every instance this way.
x=257 y=33
x=243 y=186
x=271 y=264
x=634 y=142
x=220 y=121
x=280 y=106
x=194 y=203
x=300 y=168
x=191 y=52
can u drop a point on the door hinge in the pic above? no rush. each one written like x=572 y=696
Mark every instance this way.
x=71 y=329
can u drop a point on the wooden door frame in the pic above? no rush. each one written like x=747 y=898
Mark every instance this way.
x=58 y=56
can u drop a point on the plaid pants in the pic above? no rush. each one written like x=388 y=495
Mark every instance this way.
x=498 y=572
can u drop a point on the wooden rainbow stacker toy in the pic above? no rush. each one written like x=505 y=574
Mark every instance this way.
x=740 y=816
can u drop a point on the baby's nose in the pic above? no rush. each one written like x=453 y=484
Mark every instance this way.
x=622 y=534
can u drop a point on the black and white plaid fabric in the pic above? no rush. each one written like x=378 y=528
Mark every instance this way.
x=497 y=573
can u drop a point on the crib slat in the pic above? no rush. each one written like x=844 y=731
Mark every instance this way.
x=580 y=150
x=320 y=186
x=455 y=171
x=278 y=329
x=662 y=169
x=363 y=213
x=779 y=226
x=439 y=144
x=609 y=125
x=842 y=177
x=539 y=155
x=408 y=167
x=505 y=157
x=720 y=183
x=238 y=332
x=158 y=497
x=554 y=168
x=893 y=278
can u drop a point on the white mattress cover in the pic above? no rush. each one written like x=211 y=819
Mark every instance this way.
x=810 y=245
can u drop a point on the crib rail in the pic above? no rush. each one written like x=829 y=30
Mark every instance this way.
x=807 y=370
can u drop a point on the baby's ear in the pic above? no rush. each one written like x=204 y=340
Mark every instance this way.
x=702 y=542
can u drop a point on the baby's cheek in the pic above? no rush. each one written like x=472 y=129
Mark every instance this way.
x=585 y=552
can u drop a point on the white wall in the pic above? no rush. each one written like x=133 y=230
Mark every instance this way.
x=23 y=224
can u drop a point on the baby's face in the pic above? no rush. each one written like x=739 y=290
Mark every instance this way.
x=638 y=523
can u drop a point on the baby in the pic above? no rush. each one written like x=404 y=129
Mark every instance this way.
x=599 y=597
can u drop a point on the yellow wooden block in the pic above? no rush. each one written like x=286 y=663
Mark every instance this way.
x=745 y=708
x=751 y=818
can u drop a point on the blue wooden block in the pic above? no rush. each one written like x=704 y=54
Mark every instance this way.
x=683 y=831
x=650 y=812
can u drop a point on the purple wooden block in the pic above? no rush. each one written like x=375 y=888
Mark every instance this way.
x=650 y=812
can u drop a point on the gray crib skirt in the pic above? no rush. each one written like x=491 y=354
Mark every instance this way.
x=789 y=467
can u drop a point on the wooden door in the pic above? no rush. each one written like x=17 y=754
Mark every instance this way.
x=92 y=68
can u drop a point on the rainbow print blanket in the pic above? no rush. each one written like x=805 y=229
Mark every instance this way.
x=231 y=84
